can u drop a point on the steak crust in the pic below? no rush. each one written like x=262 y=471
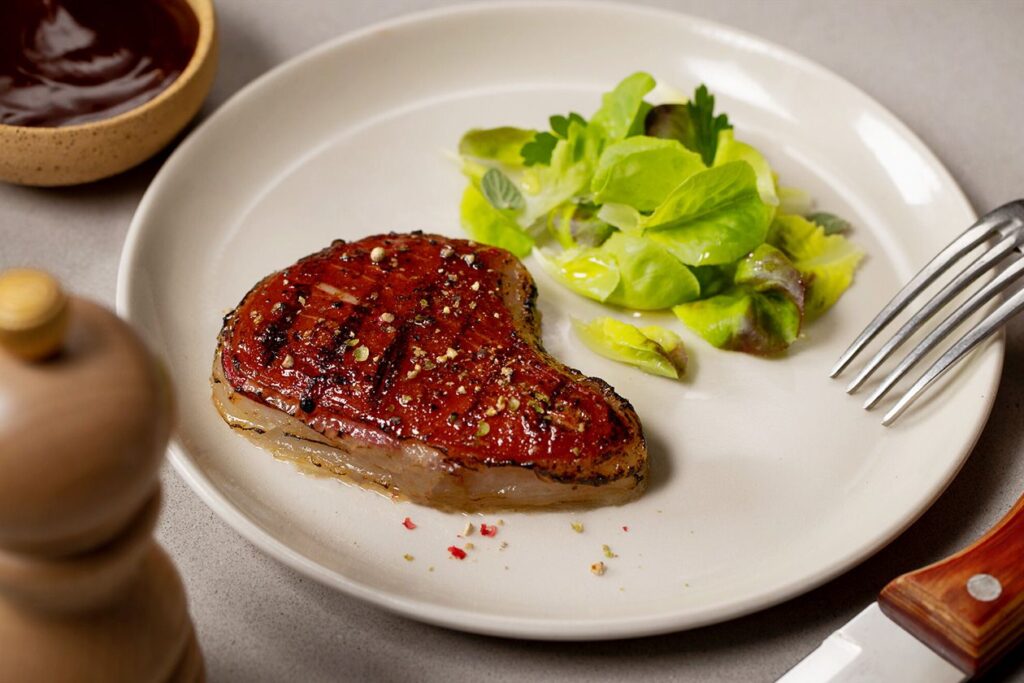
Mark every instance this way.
x=413 y=363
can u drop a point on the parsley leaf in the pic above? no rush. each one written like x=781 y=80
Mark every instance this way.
x=694 y=124
x=560 y=124
x=706 y=125
x=539 y=149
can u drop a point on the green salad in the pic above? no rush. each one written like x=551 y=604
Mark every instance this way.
x=654 y=207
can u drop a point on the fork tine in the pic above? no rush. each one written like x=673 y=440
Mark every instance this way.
x=972 y=272
x=985 y=329
x=966 y=310
x=967 y=241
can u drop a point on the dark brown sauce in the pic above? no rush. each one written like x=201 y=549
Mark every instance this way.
x=67 y=62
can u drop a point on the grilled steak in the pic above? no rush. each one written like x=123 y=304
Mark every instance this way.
x=413 y=362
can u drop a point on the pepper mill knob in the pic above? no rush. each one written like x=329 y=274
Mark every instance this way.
x=85 y=415
x=33 y=313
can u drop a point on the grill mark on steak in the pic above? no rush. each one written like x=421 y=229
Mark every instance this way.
x=397 y=350
x=275 y=337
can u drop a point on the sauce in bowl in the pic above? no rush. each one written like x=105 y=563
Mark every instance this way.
x=68 y=62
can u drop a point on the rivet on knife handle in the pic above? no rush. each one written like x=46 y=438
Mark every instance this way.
x=969 y=607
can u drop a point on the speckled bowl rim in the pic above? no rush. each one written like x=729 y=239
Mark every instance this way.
x=207 y=18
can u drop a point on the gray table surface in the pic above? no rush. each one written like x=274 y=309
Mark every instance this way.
x=952 y=71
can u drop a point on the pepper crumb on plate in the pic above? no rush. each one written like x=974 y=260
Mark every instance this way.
x=457 y=552
x=577 y=527
x=408 y=524
x=608 y=552
x=488 y=530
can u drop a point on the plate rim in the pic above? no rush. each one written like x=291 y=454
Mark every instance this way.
x=536 y=628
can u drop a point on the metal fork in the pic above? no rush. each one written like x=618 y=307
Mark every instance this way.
x=1003 y=228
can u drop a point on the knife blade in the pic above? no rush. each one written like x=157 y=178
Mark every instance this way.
x=872 y=648
x=943 y=623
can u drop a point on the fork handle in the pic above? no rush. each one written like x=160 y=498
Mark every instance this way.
x=969 y=607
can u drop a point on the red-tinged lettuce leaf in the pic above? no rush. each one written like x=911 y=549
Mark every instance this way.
x=761 y=314
x=742 y=320
x=768 y=270
x=826 y=262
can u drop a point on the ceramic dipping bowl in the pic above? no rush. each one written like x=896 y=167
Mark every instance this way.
x=71 y=155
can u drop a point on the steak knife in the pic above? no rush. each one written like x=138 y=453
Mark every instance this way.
x=943 y=623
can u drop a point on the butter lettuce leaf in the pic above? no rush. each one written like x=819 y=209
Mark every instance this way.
x=484 y=223
x=794 y=200
x=577 y=225
x=627 y=271
x=641 y=171
x=623 y=110
x=622 y=216
x=671 y=346
x=826 y=262
x=501 y=145
x=731 y=149
x=651 y=278
x=625 y=343
x=714 y=217
x=588 y=272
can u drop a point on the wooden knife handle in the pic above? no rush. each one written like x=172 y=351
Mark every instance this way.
x=969 y=607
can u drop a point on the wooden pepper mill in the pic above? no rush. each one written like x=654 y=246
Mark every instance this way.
x=86 y=594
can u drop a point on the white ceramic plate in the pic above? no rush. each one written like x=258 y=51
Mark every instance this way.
x=766 y=478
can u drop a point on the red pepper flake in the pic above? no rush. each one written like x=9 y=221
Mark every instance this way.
x=408 y=524
x=625 y=528
x=488 y=530
x=457 y=552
